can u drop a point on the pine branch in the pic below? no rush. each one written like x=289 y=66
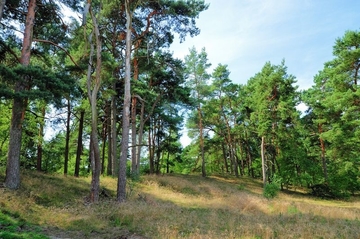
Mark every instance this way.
x=63 y=49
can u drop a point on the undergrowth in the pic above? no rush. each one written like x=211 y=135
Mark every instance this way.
x=12 y=226
x=170 y=206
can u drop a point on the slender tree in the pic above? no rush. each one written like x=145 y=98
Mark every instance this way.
x=121 y=186
x=272 y=102
x=196 y=68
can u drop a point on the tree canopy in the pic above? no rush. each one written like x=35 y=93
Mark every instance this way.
x=104 y=95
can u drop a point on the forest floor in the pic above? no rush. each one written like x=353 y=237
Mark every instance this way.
x=169 y=206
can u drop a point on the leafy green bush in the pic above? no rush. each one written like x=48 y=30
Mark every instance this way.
x=272 y=189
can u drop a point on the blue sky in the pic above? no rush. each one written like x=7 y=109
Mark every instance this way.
x=245 y=34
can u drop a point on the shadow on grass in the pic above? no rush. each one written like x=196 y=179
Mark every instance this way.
x=221 y=222
x=212 y=208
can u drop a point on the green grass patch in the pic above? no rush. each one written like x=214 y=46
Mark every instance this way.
x=12 y=226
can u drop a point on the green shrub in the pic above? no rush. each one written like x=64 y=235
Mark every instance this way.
x=271 y=190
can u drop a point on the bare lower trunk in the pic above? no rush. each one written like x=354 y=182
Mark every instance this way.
x=134 y=163
x=114 y=159
x=203 y=171
x=103 y=149
x=109 y=169
x=263 y=161
x=151 y=150
x=225 y=158
x=92 y=95
x=12 y=180
x=40 y=141
x=323 y=159
x=79 y=144
x=121 y=186
x=67 y=139
x=140 y=136
x=96 y=168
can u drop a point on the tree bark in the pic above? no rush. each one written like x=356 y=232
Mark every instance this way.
x=104 y=135
x=263 y=161
x=203 y=170
x=92 y=94
x=40 y=140
x=79 y=144
x=134 y=163
x=140 y=135
x=114 y=158
x=2 y=5
x=12 y=179
x=67 y=138
x=323 y=158
x=109 y=139
x=225 y=158
x=121 y=186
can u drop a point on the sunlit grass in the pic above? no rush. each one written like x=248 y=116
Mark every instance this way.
x=178 y=206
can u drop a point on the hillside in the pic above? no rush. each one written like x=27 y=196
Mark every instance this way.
x=170 y=206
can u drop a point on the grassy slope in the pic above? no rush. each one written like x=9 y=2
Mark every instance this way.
x=176 y=206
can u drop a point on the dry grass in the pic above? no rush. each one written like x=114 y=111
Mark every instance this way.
x=178 y=206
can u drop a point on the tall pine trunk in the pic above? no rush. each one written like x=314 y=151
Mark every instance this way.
x=12 y=179
x=121 y=186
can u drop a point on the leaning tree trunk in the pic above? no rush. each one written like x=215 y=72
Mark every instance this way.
x=12 y=179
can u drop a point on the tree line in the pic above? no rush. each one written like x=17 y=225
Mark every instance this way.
x=116 y=99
